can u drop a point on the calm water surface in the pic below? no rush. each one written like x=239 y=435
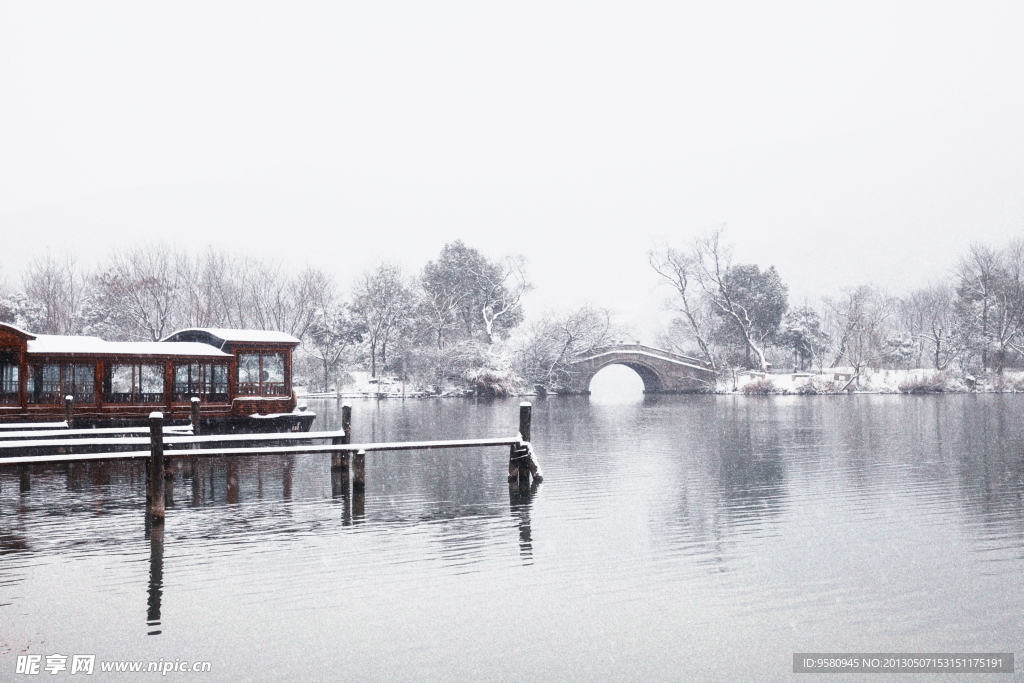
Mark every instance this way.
x=673 y=539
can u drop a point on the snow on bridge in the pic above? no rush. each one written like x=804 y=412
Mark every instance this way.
x=661 y=371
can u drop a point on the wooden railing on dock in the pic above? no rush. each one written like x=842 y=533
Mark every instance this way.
x=185 y=442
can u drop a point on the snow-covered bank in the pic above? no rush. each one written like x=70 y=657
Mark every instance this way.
x=834 y=381
x=845 y=380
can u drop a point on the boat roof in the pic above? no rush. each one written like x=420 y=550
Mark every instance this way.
x=16 y=331
x=218 y=336
x=60 y=344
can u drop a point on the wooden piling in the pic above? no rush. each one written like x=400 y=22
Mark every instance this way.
x=195 y=416
x=516 y=466
x=339 y=459
x=521 y=462
x=359 y=470
x=156 y=467
x=68 y=402
x=525 y=418
x=339 y=482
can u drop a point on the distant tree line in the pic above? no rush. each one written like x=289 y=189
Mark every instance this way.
x=450 y=326
x=458 y=323
x=737 y=315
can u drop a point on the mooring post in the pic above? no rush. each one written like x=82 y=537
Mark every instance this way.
x=340 y=459
x=156 y=467
x=68 y=401
x=525 y=414
x=516 y=464
x=195 y=416
x=359 y=470
x=521 y=461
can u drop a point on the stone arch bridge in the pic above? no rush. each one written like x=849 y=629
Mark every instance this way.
x=662 y=371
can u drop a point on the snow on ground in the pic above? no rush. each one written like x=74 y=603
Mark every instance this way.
x=837 y=380
x=364 y=385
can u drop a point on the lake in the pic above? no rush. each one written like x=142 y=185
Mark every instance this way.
x=674 y=538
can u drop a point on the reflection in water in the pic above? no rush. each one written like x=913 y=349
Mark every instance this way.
x=520 y=496
x=676 y=530
x=358 y=504
x=286 y=479
x=156 y=578
x=751 y=475
x=232 y=480
x=340 y=489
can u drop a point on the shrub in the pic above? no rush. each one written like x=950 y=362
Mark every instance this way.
x=763 y=385
x=492 y=382
x=932 y=384
x=1007 y=384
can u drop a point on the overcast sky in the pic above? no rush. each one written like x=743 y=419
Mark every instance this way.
x=844 y=143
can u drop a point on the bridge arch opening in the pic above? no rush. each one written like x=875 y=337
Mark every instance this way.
x=616 y=384
x=621 y=378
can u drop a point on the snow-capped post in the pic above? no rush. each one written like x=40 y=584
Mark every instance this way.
x=520 y=462
x=195 y=416
x=156 y=468
x=339 y=459
x=68 y=402
x=359 y=470
x=525 y=415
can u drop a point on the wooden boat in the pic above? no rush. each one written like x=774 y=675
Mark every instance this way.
x=243 y=379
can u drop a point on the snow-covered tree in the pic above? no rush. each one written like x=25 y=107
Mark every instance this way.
x=484 y=295
x=383 y=305
x=557 y=339
x=331 y=334
x=52 y=287
x=860 y=321
x=990 y=298
x=801 y=333
x=694 y=322
x=20 y=311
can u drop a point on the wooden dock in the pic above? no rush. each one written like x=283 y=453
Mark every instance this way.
x=185 y=442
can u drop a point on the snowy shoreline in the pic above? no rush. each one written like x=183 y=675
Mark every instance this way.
x=847 y=381
x=834 y=382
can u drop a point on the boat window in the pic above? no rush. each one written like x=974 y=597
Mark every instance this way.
x=219 y=387
x=44 y=383
x=208 y=381
x=79 y=381
x=249 y=374
x=50 y=382
x=151 y=384
x=8 y=377
x=272 y=375
x=133 y=383
x=118 y=383
x=261 y=374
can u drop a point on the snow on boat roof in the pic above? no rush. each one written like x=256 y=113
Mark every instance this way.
x=229 y=335
x=52 y=343
x=17 y=330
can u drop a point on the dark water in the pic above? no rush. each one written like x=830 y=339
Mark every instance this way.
x=673 y=539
